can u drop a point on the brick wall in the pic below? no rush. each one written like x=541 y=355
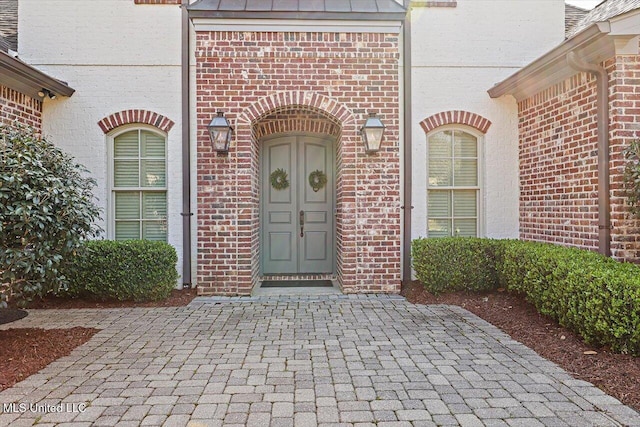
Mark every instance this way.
x=624 y=78
x=298 y=82
x=157 y=1
x=558 y=160
x=17 y=107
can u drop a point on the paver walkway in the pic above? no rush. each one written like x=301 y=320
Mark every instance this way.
x=301 y=361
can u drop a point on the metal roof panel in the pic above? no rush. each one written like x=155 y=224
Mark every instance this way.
x=261 y=5
x=233 y=5
x=299 y=9
x=285 y=5
x=312 y=6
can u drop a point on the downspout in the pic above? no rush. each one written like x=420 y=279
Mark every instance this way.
x=186 y=152
x=408 y=175
x=602 y=99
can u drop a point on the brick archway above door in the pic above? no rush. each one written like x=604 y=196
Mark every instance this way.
x=296 y=119
x=321 y=103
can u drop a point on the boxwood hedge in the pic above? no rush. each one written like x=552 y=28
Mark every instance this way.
x=595 y=296
x=455 y=264
x=137 y=270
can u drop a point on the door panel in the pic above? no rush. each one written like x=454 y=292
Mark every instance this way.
x=316 y=250
x=279 y=246
x=295 y=243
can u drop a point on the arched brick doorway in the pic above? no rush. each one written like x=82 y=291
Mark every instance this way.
x=298 y=230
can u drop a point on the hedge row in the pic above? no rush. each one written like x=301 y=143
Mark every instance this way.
x=137 y=270
x=595 y=296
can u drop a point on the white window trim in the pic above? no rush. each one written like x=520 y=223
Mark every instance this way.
x=480 y=137
x=111 y=205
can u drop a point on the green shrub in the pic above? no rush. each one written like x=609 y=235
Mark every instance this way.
x=595 y=296
x=138 y=270
x=455 y=263
x=46 y=211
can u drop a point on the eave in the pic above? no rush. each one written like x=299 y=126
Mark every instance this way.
x=26 y=79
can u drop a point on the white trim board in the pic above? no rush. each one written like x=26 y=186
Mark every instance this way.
x=296 y=26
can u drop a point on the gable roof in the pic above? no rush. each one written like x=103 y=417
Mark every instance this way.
x=8 y=25
x=375 y=10
x=602 y=12
x=572 y=15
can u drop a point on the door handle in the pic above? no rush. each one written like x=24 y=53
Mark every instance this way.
x=301 y=223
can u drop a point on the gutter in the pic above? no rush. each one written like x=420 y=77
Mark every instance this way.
x=602 y=100
x=186 y=152
x=408 y=165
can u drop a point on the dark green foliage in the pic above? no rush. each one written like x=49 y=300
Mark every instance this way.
x=46 y=211
x=138 y=270
x=595 y=296
x=455 y=263
x=632 y=176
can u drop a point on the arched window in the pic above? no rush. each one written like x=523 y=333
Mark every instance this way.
x=453 y=198
x=139 y=185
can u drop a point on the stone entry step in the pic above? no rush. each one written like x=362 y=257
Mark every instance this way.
x=296 y=284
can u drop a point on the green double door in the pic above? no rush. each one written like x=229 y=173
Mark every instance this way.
x=298 y=231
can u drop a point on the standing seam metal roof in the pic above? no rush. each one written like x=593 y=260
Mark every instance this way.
x=305 y=8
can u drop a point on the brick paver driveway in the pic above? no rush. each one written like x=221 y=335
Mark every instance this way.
x=301 y=361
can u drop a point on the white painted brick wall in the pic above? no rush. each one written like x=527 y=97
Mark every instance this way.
x=458 y=54
x=117 y=56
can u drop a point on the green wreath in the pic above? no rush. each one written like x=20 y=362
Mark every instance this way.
x=279 y=179
x=317 y=180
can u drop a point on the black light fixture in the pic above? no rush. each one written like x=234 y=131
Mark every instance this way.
x=372 y=132
x=220 y=132
x=46 y=92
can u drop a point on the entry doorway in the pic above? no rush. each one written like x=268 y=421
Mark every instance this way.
x=297 y=205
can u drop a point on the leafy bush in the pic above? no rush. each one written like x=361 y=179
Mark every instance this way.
x=631 y=176
x=595 y=296
x=138 y=270
x=46 y=211
x=455 y=263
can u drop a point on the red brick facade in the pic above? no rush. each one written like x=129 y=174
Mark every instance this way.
x=16 y=107
x=558 y=160
x=157 y=1
x=324 y=83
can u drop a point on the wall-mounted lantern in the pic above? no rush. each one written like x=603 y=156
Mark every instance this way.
x=220 y=132
x=372 y=132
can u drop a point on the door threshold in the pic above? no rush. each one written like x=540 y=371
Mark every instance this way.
x=299 y=289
